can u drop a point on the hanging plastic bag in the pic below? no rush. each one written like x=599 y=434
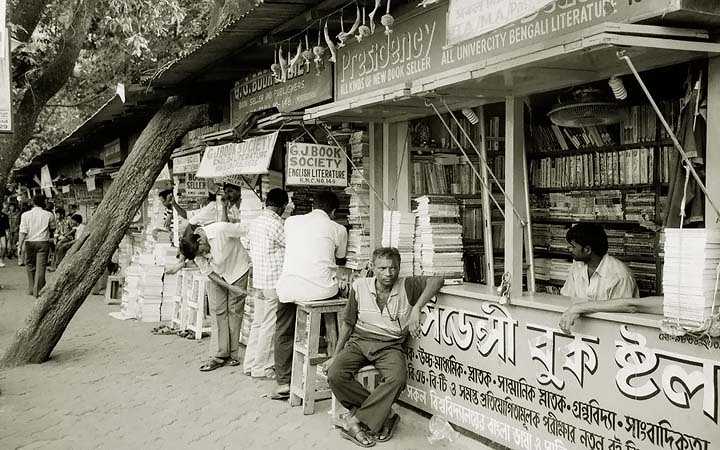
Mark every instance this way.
x=441 y=429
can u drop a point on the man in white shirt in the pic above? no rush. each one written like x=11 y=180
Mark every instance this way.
x=313 y=243
x=218 y=252
x=595 y=275
x=36 y=229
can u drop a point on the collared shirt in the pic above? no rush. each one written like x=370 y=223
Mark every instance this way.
x=267 y=249
x=312 y=242
x=36 y=224
x=209 y=214
x=382 y=322
x=228 y=258
x=612 y=280
x=79 y=230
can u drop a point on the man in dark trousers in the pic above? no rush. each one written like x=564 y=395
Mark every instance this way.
x=380 y=313
x=36 y=229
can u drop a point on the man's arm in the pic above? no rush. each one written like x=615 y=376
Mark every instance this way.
x=346 y=328
x=647 y=305
x=180 y=210
x=432 y=287
x=217 y=279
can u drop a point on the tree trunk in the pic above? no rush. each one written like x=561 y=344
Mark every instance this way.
x=82 y=267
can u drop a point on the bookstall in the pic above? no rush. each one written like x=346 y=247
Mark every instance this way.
x=494 y=140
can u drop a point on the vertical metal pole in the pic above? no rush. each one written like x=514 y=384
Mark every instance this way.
x=486 y=218
x=529 y=254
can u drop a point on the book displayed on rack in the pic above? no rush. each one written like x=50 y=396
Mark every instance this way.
x=546 y=137
x=399 y=232
x=440 y=234
x=359 y=245
x=690 y=274
x=450 y=174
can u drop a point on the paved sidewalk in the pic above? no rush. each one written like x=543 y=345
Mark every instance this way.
x=111 y=384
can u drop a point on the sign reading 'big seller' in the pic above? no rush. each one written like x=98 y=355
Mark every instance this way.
x=315 y=165
x=509 y=374
x=421 y=47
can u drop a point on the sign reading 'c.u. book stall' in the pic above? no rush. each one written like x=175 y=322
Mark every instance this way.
x=509 y=374
x=303 y=88
x=421 y=46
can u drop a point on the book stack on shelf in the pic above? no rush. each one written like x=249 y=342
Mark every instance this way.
x=553 y=271
x=640 y=124
x=359 y=245
x=443 y=174
x=616 y=242
x=690 y=274
x=417 y=248
x=639 y=245
x=640 y=206
x=554 y=137
x=440 y=234
x=302 y=198
x=399 y=232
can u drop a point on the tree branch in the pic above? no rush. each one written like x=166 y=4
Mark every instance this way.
x=27 y=14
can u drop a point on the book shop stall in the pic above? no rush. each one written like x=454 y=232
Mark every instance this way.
x=482 y=145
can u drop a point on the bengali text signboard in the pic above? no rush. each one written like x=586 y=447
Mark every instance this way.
x=418 y=45
x=186 y=164
x=315 y=165
x=302 y=89
x=509 y=374
x=250 y=157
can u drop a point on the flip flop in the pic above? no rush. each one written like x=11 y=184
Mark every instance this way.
x=232 y=362
x=213 y=364
x=353 y=432
x=388 y=428
x=279 y=395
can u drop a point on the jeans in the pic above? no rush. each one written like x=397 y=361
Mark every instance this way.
x=36 y=258
x=284 y=337
x=259 y=354
x=227 y=312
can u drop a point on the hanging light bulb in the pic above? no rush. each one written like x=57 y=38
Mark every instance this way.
x=471 y=116
x=618 y=87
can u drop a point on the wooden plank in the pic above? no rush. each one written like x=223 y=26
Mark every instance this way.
x=486 y=212
x=375 y=177
x=514 y=151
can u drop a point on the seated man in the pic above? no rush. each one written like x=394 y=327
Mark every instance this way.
x=379 y=314
x=75 y=228
x=595 y=275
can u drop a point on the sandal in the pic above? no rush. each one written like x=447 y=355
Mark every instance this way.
x=357 y=435
x=213 y=364
x=388 y=428
x=232 y=362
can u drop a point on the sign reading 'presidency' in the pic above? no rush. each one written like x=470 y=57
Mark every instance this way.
x=420 y=46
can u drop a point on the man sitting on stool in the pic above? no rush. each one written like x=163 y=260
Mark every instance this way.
x=379 y=314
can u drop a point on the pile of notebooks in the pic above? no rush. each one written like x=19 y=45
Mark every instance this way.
x=689 y=274
x=440 y=234
x=398 y=232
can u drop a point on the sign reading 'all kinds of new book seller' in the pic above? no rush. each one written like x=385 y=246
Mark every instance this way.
x=467 y=32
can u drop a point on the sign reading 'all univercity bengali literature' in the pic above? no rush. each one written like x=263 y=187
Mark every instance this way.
x=250 y=157
x=315 y=165
x=422 y=46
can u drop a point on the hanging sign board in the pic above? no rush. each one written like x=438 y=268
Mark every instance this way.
x=315 y=165
x=509 y=374
x=262 y=91
x=85 y=197
x=195 y=187
x=90 y=183
x=186 y=164
x=6 y=123
x=250 y=157
x=467 y=19
x=112 y=153
x=418 y=46
x=45 y=178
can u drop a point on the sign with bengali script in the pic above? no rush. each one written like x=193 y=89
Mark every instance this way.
x=262 y=91
x=467 y=19
x=509 y=374
x=315 y=165
x=250 y=157
x=419 y=47
x=186 y=164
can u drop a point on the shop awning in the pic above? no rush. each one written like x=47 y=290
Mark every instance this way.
x=249 y=157
x=573 y=59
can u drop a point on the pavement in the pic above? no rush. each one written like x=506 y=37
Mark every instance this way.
x=112 y=384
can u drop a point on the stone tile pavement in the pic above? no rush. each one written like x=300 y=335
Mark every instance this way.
x=111 y=384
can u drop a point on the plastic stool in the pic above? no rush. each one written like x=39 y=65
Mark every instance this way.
x=113 y=290
x=304 y=386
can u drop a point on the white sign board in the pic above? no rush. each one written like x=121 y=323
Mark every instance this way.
x=6 y=124
x=315 y=165
x=195 y=187
x=186 y=164
x=45 y=178
x=249 y=157
x=467 y=19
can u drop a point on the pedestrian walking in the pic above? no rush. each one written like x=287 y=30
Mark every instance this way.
x=36 y=228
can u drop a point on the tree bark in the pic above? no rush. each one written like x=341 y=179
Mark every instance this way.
x=83 y=266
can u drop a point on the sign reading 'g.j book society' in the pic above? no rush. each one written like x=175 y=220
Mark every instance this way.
x=315 y=165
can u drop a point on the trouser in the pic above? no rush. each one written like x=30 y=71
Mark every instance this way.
x=36 y=258
x=259 y=354
x=284 y=337
x=372 y=409
x=227 y=311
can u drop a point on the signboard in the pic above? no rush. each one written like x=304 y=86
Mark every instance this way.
x=509 y=374
x=467 y=19
x=6 y=123
x=186 y=164
x=85 y=197
x=315 y=165
x=417 y=47
x=195 y=187
x=250 y=157
x=45 y=178
x=262 y=91
x=112 y=153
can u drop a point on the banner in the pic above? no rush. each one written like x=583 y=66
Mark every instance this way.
x=467 y=19
x=45 y=178
x=6 y=125
x=315 y=165
x=249 y=157
x=186 y=164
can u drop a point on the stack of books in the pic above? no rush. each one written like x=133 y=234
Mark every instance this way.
x=398 y=232
x=440 y=233
x=645 y=276
x=417 y=249
x=689 y=274
x=359 y=246
x=150 y=294
x=640 y=206
x=131 y=284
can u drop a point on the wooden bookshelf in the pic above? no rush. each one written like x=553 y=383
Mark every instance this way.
x=558 y=152
x=617 y=187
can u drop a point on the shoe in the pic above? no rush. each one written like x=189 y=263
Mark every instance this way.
x=2 y=264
